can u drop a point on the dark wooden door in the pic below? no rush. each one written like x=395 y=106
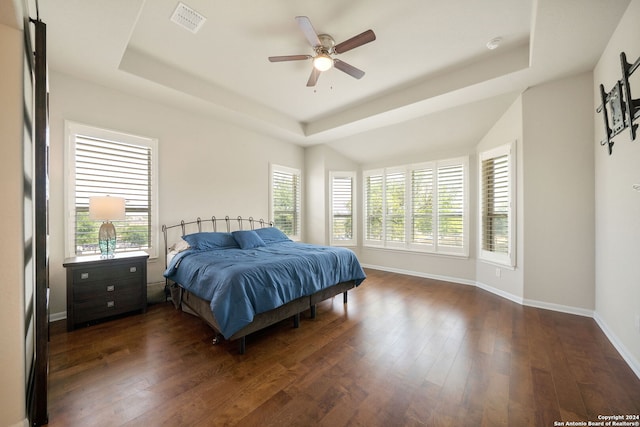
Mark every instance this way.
x=36 y=221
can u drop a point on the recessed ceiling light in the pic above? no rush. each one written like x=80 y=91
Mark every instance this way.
x=494 y=43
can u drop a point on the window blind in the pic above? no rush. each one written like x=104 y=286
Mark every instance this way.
x=286 y=203
x=113 y=168
x=395 y=207
x=419 y=207
x=342 y=208
x=451 y=206
x=373 y=207
x=495 y=204
x=422 y=206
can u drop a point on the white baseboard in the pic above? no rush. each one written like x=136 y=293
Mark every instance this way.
x=628 y=357
x=633 y=363
x=559 y=307
x=501 y=293
x=420 y=274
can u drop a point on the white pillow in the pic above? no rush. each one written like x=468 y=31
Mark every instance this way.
x=179 y=246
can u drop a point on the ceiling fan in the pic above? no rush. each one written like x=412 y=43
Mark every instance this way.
x=324 y=47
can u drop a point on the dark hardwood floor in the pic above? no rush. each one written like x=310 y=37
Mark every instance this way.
x=403 y=351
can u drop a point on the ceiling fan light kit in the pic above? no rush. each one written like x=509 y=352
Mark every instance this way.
x=324 y=47
x=322 y=62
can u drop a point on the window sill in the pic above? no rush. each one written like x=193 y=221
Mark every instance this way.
x=417 y=252
x=506 y=266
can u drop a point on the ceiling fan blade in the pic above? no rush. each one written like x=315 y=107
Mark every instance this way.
x=313 y=78
x=349 y=69
x=305 y=25
x=353 y=42
x=289 y=58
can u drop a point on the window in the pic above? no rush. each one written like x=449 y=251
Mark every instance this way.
x=418 y=207
x=342 y=222
x=286 y=195
x=450 y=216
x=496 y=205
x=395 y=207
x=422 y=206
x=373 y=205
x=102 y=162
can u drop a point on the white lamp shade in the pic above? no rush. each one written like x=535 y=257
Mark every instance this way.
x=106 y=208
x=322 y=62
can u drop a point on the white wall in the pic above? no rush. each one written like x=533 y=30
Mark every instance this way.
x=617 y=231
x=558 y=169
x=452 y=268
x=207 y=167
x=316 y=203
x=552 y=126
x=508 y=282
x=319 y=161
x=12 y=350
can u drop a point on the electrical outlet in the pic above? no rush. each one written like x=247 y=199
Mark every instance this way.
x=498 y=272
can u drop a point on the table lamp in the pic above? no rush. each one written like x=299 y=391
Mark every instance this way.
x=106 y=209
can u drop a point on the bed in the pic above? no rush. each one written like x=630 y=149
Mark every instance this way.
x=250 y=275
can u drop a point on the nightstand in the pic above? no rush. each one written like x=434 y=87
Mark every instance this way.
x=98 y=288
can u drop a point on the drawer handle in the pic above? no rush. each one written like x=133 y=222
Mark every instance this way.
x=133 y=269
x=84 y=275
x=111 y=304
x=111 y=288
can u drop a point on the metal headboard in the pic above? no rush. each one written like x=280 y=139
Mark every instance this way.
x=241 y=224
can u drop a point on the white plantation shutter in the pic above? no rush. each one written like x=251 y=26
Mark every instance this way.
x=419 y=207
x=496 y=197
x=395 y=207
x=342 y=208
x=495 y=204
x=286 y=195
x=422 y=206
x=107 y=163
x=373 y=207
x=451 y=206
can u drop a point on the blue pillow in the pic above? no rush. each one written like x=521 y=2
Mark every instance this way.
x=271 y=235
x=210 y=240
x=248 y=239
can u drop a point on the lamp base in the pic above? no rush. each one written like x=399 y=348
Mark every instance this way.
x=107 y=240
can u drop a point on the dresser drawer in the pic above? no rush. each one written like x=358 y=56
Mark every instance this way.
x=83 y=275
x=84 y=291
x=107 y=305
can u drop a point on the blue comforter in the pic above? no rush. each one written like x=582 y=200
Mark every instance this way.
x=241 y=283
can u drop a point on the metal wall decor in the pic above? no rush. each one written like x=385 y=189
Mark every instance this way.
x=619 y=109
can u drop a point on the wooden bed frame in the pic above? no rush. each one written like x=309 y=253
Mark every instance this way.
x=182 y=297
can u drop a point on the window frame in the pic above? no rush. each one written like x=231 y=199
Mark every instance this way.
x=273 y=168
x=451 y=250
x=412 y=243
x=366 y=240
x=503 y=259
x=354 y=214
x=72 y=129
x=409 y=244
x=390 y=179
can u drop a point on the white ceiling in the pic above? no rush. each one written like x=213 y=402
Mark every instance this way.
x=429 y=65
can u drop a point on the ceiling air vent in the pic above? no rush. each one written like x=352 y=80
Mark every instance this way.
x=188 y=18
